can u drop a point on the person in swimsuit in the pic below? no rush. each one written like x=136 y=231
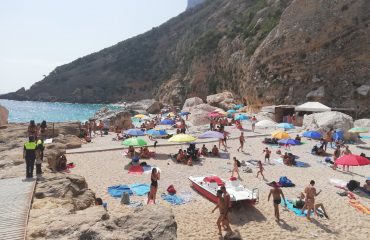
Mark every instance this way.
x=276 y=192
x=254 y=121
x=260 y=169
x=346 y=151
x=242 y=141
x=235 y=172
x=43 y=130
x=310 y=192
x=226 y=197
x=222 y=207
x=267 y=154
x=155 y=176
x=32 y=130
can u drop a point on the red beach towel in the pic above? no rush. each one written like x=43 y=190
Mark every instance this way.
x=214 y=179
x=136 y=169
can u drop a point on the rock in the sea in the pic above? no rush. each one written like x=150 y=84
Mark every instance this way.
x=199 y=113
x=149 y=222
x=365 y=123
x=191 y=102
x=4 y=113
x=326 y=120
x=224 y=100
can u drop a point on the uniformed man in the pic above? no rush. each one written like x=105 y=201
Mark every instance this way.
x=29 y=154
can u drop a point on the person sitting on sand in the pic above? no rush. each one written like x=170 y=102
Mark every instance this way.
x=267 y=154
x=316 y=207
x=215 y=152
x=261 y=169
x=131 y=151
x=298 y=139
x=204 y=151
x=286 y=159
x=276 y=192
x=144 y=152
x=235 y=172
x=222 y=219
x=366 y=186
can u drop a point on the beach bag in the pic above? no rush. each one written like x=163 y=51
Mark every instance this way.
x=298 y=204
x=125 y=199
x=285 y=182
x=171 y=190
x=352 y=185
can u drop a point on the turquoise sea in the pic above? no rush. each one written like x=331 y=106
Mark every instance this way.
x=24 y=111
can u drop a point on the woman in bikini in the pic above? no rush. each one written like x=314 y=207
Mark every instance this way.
x=32 y=129
x=241 y=140
x=154 y=185
x=235 y=172
x=222 y=219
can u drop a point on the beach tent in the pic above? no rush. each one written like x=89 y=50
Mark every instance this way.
x=312 y=107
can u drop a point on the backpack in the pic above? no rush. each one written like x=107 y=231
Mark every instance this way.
x=285 y=182
x=352 y=185
x=171 y=190
x=125 y=199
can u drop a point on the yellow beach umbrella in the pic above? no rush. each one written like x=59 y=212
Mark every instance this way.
x=280 y=135
x=182 y=138
x=171 y=114
x=139 y=116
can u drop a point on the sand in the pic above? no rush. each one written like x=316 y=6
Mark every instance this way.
x=195 y=220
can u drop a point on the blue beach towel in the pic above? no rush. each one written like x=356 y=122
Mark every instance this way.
x=365 y=137
x=116 y=191
x=291 y=208
x=173 y=199
x=301 y=164
x=140 y=189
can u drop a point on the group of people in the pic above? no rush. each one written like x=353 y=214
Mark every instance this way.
x=90 y=128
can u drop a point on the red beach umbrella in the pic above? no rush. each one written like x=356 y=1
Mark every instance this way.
x=352 y=160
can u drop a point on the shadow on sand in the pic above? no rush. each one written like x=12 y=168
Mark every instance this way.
x=323 y=226
x=283 y=224
x=242 y=214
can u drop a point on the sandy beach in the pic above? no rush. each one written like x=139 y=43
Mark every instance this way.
x=195 y=220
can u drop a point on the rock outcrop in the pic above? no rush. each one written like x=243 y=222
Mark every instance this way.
x=199 y=113
x=191 y=102
x=264 y=52
x=149 y=222
x=365 y=123
x=327 y=120
x=4 y=113
x=194 y=3
x=224 y=100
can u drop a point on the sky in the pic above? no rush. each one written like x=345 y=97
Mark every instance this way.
x=38 y=35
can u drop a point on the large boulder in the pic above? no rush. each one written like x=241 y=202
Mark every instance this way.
x=122 y=120
x=327 y=120
x=65 y=128
x=264 y=116
x=70 y=141
x=145 y=106
x=224 y=100
x=52 y=154
x=365 y=123
x=191 y=102
x=4 y=113
x=199 y=113
x=148 y=222
x=154 y=108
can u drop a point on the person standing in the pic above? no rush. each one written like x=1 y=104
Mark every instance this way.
x=101 y=126
x=267 y=154
x=32 y=129
x=254 y=121
x=155 y=176
x=310 y=194
x=222 y=207
x=261 y=169
x=39 y=156
x=241 y=141
x=29 y=154
x=43 y=130
x=276 y=192
x=226 y=197
x=346 y=151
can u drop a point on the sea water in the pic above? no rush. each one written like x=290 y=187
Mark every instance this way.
x=24 y=111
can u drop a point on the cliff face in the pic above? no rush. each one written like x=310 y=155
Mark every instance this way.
x=193 y=3
x=265 y=51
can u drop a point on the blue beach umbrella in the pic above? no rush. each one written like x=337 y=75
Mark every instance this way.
x=184 y=113
x=154 y=132
x=231 y=111
x=285 y=125
x=338 y=135
x=238 y=106
x=167 y=122
x=312 y=134
x=288 y=141
x=241 y=117
x=134 y=132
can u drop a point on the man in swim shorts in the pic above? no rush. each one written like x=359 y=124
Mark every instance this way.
x=310 y=192
x=276 y=192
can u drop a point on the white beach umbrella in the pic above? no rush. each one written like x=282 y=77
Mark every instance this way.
x=266 y=124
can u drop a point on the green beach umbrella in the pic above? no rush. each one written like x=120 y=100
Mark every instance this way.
x=358 y=130
x=136 y=142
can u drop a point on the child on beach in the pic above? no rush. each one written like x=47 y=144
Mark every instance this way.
x=261 y=169
x=241 y=140
x=276 y=192
x=235 y=172
x=223 y=210
x=267 y=154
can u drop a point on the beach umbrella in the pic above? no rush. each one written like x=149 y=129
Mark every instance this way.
x=171 y=114
x=312 y=134
x=184 y=113
x=136 y=142
x=155 y=132
x=182 y=138
x=238 y=106
x=139 y=116
x=280 y=135
x=352 y=160
x=167 y=122
x=231 y=111
x=214 y=114
x=288 y=141
x=266 y=123
x=134 y=132
x=285 y=125
x=241 y=117
x=358 y=130
x=211 y=134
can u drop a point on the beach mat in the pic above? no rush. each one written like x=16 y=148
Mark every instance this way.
x=301 y=164
x=173 y=199
x=291 y=208
x=278 y=161
x=252 y=162
x=365 y=137
x=117 y=190
x=359 y=207
x=139 y=189
x=136 y=169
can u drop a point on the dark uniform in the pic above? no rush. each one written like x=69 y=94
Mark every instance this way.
x=30 y=156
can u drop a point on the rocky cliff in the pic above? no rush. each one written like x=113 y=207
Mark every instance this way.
x=265 y=51
x=193 y=3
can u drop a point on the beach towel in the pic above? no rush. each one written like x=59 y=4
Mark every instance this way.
x=136 y=169
x=286 y=182
x=117 y=190
x=279 y=161
x=359 y=207
x=139 y=189
x=290 y=207
x=253 y=162
x=173 y=199
x=224 y=155
x=365 y=137
x=338 y=182
x=301 y=164
x=214 y=179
